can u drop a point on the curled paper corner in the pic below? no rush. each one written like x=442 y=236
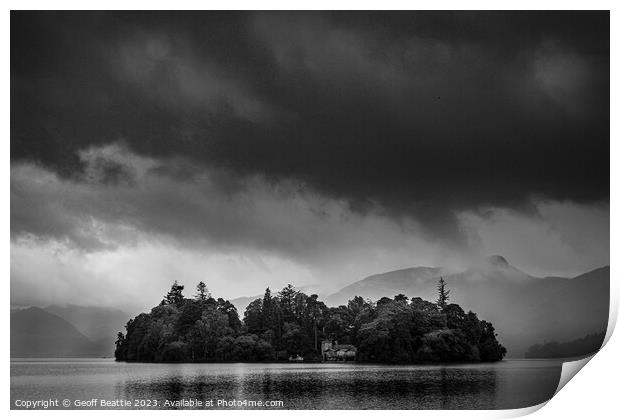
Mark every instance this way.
x=570 y=369
x=614 y=302
x=519 y=412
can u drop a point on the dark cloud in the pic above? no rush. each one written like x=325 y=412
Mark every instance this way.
x=426 y=114
x=158 y=200
x=120 y=239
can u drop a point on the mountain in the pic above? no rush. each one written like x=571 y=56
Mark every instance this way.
x=242 y=302
x=524 y=309
x=37 y=333
x=97 y=323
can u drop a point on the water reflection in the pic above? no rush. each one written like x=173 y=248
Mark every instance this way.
x=510 y=384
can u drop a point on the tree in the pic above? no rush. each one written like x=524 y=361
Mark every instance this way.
x=244 y=348
x=268 y=311
x=253 y=317
x=188 y=315
x=212 y=326
x=120 y=351
x=202 y=292
x=287 y=302
x=360 y=312
x=175 y=295
x=401 y=298
x=336 y=327
x=455 y=316
x=490 y=349
x=224 y=349
x=383 y=301
x=356 y=306
x=313 y=315
x=296 y=342
x=443 y=294
x=230 y=311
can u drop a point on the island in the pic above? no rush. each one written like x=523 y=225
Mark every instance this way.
x=292 y=326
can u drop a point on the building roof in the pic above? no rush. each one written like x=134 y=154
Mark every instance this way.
x=345 y=347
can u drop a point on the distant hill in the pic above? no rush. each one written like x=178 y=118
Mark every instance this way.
x=242 y=302
x=37 y=333
x=524 y=309
x=97 y=323
x=586 y=345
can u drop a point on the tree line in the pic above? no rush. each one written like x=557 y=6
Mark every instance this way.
x=591 y=343
x=292 y=323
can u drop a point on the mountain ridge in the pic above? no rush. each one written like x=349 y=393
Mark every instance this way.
x=37 y=333
x=100 y=324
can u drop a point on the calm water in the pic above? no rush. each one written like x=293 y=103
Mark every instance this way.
x=503 y=385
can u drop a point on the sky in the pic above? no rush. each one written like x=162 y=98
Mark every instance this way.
x=257 y=149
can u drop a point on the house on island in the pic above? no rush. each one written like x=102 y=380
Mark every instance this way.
x=331 y=351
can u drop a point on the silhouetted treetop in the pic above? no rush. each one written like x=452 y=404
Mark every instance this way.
x=443 y=294
x=175 y=295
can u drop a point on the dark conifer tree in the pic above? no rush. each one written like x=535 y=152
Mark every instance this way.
x=268 y=311
x=175 y=295
x=443 y=294
x=202 y=292
x=287 y=302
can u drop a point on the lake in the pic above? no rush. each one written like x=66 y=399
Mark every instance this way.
x=503 y=385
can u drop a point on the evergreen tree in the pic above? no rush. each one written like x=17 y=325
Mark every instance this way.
x=443 y=294
x=287 y=302
x=313 y=313
x=175 y=295
x=202 y=292
x=268 y=311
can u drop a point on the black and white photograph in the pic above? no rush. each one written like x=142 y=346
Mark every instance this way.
x=306 y=210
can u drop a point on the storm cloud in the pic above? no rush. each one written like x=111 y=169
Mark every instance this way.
x=425 y=112
x=320 y=139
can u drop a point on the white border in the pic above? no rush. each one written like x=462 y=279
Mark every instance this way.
x=592 y=394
